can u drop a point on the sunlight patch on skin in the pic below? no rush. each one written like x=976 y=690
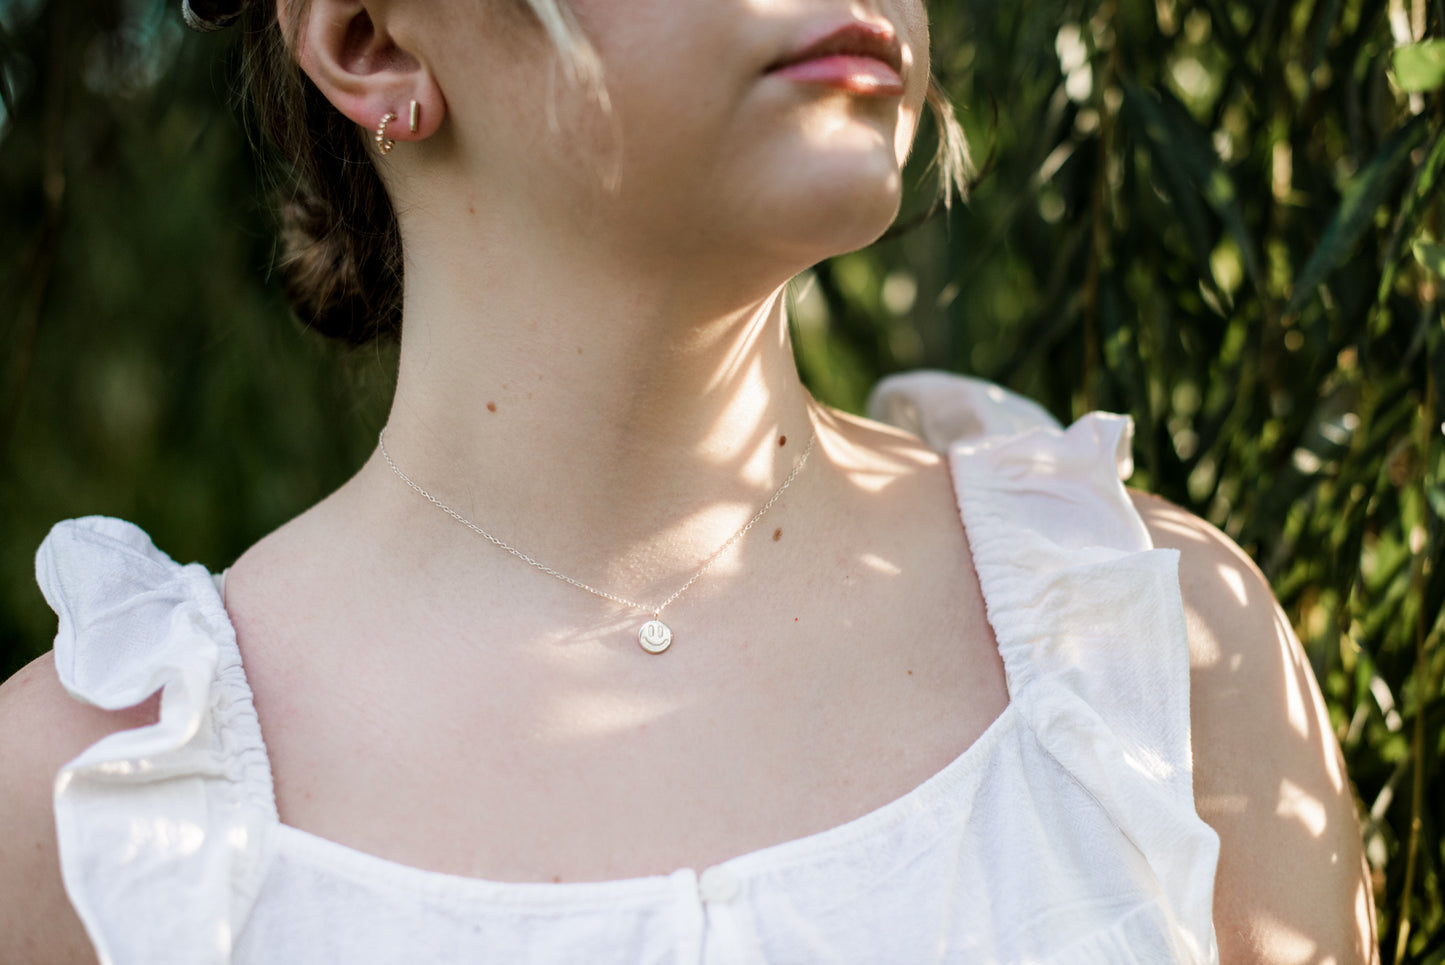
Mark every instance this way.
x=907 y=118
x=1297 y=803
x=593 y=716
x=1365 y=917
x=1282 y=944
x=872 y=482
x=1168 y=520
x=871 y=470
x=1233 y=579
x=878 y=564
x=1302 y=689
x=835 y=129
x=758 y=324
x=1204 y=650
x=1216 y=804
x=635 y=568
x=1293 y=691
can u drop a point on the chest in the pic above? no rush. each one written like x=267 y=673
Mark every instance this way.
x=481 y=746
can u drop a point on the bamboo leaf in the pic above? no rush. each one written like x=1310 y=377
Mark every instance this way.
x=1362 y=197
x=1436 y=497
x=1420 y=68
x=1146 y=120
x=1429 y=254
x=1185 y=155
x=1416 y=197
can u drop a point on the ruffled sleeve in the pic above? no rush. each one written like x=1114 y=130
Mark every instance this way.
x=167 y=815
x=943 y=409
x=1089 y=622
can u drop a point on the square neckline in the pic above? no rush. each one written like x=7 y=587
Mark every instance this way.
x=372 y=868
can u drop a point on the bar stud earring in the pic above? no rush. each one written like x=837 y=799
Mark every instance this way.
x=415 y=119
x=384 y=144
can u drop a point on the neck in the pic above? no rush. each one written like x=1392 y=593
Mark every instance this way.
x=619 y=426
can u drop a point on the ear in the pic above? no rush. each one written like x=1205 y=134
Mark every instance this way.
x=348 y=49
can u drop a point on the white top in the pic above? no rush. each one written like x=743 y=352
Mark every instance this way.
x=1065 y=834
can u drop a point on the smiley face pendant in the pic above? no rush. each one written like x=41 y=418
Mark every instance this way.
x=655 y=636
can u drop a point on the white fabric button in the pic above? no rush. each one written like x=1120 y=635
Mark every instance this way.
x=717 y=884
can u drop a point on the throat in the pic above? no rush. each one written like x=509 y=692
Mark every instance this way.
x=654 y=636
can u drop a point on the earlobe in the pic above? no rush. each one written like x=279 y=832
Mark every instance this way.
x=384 y=142
x=349 y=51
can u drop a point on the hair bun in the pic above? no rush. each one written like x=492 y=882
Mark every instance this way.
x=209 y=15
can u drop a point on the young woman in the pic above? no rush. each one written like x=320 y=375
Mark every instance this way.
x=621 y=648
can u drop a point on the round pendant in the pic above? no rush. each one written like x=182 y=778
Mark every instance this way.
x=655 y=636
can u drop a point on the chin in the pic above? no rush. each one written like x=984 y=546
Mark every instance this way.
x=838 y=207
x=846 y=179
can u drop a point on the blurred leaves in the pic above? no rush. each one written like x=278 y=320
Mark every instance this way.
x=1429 y=254
x=1221 y=217
x=1420 y=68
x=1362 y=198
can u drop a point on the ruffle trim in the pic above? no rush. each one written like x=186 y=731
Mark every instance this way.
x=1088 y=616
x=943 y=409
x=199 y=795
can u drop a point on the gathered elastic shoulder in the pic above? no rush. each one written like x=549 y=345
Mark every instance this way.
x=197 y=786
x=1088 y=615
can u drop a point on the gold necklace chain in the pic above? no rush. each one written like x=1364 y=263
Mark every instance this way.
x=654 y=636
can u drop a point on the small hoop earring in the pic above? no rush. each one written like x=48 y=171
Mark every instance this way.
x=384 y=144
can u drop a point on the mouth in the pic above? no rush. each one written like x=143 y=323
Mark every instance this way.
x=858 y=58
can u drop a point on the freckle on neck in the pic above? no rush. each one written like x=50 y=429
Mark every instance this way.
x=782 y=441
x=777 y=534
x=491 y=407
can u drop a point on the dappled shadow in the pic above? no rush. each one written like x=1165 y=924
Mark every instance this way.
x=1268 y=773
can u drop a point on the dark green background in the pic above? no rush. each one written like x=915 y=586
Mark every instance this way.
x=1218 y=217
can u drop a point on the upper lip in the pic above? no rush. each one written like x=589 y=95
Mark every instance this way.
x=854 y=39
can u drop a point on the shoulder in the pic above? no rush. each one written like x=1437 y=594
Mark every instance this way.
x=1268 y=775
x=41 y=728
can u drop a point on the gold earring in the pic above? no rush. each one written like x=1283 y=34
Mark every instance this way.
x=415 y=118
x=384 y=144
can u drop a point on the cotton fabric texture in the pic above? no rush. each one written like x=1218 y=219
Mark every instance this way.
x=1066 y=834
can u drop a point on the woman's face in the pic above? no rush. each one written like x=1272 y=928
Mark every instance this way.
x=781 y=125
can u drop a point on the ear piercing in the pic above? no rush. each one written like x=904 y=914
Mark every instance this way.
x=384 y=144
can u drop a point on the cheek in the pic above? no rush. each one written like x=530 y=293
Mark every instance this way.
x=903 y=138
x=912 y=22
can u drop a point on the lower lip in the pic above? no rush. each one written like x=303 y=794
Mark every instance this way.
x=855 y=75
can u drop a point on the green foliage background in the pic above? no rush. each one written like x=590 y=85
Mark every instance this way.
x=1219 y=217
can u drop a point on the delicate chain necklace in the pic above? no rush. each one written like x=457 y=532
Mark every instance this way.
x=654 y=635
